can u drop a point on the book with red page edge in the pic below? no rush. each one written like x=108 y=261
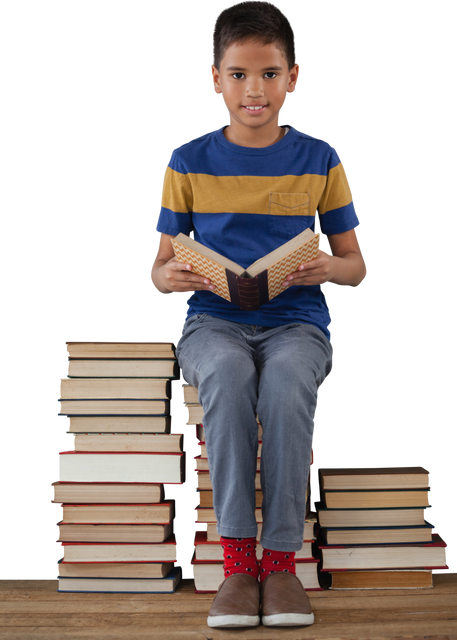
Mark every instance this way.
x=185 y=468
x=438 y=542
x=171 y=541
x=169 y=584
x=111 y=485
x=121 y=507
x=173 y=522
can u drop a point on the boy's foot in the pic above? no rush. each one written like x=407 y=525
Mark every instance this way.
x=237 y=603
x=284 y=601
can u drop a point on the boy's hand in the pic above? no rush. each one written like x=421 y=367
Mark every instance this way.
x=177 y=276
x=316 y=271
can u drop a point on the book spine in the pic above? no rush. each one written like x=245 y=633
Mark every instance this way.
x=248 y=293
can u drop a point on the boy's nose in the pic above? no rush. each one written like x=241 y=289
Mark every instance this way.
x=254 y=93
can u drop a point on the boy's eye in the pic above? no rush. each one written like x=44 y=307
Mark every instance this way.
x=270 y=74
x=238 y=73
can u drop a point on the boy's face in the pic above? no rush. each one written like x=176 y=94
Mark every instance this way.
x=254 y=80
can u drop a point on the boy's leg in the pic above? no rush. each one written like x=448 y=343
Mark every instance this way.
x=222 y=359
x=215 y=357
x=293 y=361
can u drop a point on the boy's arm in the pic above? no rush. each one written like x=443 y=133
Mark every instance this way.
x=345 y=266
x=349 y=265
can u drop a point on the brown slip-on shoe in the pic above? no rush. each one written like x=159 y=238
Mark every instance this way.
x=237 y=603
x=284 y=601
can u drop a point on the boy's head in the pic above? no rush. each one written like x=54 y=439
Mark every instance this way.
x=262 y=20
x=254 y=69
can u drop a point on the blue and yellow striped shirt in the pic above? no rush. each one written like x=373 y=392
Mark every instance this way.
x=245 y=202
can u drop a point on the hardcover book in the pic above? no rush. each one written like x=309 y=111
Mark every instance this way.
x=168 y=584
x=108 y=492
x=121 y=350
x=120 y=552
x=248 y=288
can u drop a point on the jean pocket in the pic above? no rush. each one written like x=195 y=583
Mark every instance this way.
x=289 y=214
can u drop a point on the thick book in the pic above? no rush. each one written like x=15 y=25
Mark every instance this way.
x=114 y=569
x=376 y=535
x=382 y=499
x=118 y=424
x=108 y=492
x=101 y=532
x=308 y=532
x=431 y=555
x=120 y=552
x=112 y=407
x=248 y=288
x=163 y=468
x=118 y=348
x=152 y=442
x=115 y=388
x=363 y=518
x=168 y=584
x=141 y=368
x=382 y=579
x=373 y=477
x=161 y=513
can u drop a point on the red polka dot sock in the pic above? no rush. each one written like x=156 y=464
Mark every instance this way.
x=240 y=556
x=273 y=561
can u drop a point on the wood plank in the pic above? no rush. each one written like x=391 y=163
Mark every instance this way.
x=34 y=609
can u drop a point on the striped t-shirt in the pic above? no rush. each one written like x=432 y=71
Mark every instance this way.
x=245 y=202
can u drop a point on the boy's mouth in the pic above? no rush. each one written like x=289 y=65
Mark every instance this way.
x=258 y=108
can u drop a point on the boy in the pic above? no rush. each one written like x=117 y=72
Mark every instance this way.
x=245 y=190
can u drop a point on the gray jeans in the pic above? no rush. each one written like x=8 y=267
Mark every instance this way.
x=242 y=370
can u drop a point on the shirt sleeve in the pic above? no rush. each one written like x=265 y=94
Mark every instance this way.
x=177 y=201
x=335 y=208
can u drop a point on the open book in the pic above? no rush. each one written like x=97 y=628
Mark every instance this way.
x=248 y=288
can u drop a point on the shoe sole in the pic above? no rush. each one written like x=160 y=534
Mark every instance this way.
x=233 y=621
x=288 y=620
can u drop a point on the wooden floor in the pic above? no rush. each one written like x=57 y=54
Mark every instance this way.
x=33 y=609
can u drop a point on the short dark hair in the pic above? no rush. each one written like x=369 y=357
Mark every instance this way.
x=261 y=21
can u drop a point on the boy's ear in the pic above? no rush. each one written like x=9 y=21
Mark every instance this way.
x=214 y=78
x=295 y=72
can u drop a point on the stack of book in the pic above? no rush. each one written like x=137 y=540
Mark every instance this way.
x=208 y=557
x=372 y=530
x=117 y=526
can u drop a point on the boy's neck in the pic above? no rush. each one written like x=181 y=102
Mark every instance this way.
x=257 y=144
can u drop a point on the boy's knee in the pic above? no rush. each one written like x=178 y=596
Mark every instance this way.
x=229 y=366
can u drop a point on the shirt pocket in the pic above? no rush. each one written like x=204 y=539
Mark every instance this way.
x=289 y=214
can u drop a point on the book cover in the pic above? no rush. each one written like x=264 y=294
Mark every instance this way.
x=121 y=350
